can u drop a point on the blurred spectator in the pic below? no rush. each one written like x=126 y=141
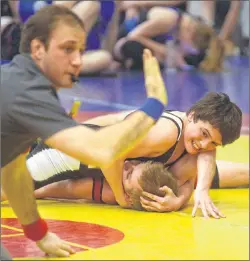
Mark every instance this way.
x=100 y=19
x=13 y=15
x=5 y=8
x=131 y=11
x=101 y=22
x=196 y=44
x=224 y=16
x=26 y=8
x=10 y=30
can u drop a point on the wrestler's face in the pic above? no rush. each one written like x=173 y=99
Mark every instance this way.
x=63 y=56
x=200 y=136
x=132 y=171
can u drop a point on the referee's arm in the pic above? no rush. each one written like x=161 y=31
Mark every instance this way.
x=100 y=148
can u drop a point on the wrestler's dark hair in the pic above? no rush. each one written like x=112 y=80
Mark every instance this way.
x=43 y=22
x=218 y=110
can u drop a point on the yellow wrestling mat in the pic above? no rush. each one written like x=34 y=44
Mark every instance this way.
x=102 y=232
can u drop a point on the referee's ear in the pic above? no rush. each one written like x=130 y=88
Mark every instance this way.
x=37 y=49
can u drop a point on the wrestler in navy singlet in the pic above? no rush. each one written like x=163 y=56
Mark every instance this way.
x=167 y=155
x=48 y=165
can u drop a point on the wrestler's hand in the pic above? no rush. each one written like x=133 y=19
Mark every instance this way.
x=155 y=203
x=203 y=201
x=154 y=83
x=53 y=245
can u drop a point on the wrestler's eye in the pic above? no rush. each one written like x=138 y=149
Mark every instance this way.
x=68 y=49
x=204 y=134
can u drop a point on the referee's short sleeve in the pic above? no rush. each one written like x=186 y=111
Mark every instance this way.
x=39 y=111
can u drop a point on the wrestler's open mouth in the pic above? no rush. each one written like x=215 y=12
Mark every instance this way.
x=195 y=146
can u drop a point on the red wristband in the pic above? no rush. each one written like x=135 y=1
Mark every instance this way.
x=35 y=231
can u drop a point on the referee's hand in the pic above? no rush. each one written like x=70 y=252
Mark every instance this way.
x=154 y=83
x=53 y=245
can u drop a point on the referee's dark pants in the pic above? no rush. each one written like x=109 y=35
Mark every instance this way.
x=5 y=254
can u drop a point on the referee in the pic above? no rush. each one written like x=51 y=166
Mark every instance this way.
x=51 y=46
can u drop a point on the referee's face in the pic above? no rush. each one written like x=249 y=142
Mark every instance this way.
x=63 y=57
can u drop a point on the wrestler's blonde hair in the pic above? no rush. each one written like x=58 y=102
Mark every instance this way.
x=154 y=176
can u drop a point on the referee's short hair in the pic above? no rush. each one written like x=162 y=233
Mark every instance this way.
x=43 y=22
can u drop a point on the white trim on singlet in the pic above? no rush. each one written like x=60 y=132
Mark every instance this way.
x=177 y=119
x=169 y=114
x=50 y=162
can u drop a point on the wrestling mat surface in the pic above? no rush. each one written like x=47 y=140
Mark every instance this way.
x=102 y=232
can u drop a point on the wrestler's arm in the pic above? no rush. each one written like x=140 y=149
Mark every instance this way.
x=206 y=166
x=184 y=194
x=74 y=189
x=108 y=119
